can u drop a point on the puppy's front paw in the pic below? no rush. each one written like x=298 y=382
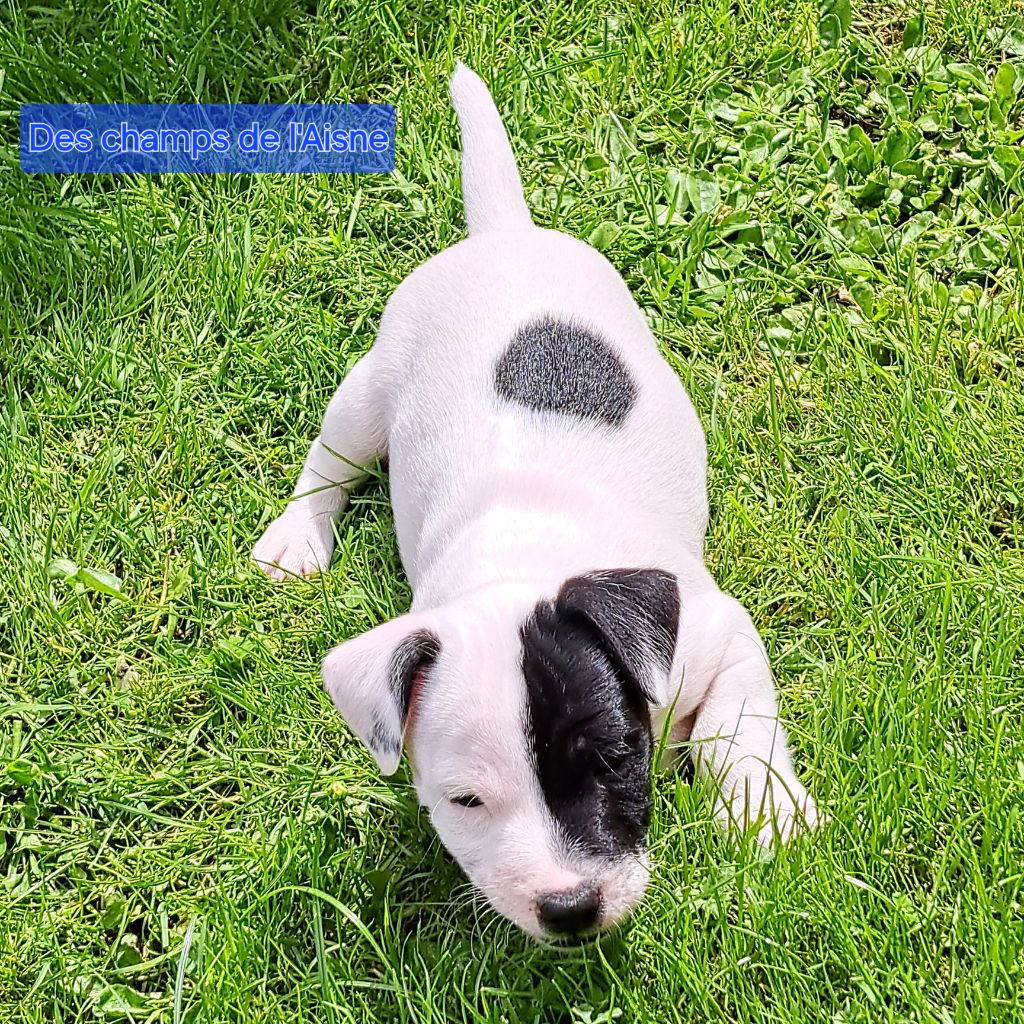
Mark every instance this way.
x=779 y=808
x=790 y=811
x=295 y=544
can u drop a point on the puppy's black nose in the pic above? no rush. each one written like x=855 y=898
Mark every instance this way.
x=570 y=911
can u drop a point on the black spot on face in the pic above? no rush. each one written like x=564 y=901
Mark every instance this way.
x=587 y=716
x=557 y=366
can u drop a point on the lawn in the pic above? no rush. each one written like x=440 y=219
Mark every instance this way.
x=820 y=213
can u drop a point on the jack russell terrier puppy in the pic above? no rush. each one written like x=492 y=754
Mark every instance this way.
x=548 y=478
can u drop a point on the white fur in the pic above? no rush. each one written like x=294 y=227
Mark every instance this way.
x=494 y=508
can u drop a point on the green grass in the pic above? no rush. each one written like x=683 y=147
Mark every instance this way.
x=825 y=229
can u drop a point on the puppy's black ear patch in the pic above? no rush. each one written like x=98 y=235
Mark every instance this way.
x=417 y=652
x=372 y=679
x=561 y=367
x=635 y=614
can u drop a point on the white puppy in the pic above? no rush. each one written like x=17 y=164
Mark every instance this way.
x=548 y=482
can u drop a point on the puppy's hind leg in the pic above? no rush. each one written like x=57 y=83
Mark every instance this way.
x=738 y=741
x=300 y=541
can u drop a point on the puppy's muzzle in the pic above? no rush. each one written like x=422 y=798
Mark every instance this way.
x=570 y=911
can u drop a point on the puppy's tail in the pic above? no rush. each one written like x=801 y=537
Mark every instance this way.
x=492 y=193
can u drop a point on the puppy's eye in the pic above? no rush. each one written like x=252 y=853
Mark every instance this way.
x=609 y=762
x=467 y=800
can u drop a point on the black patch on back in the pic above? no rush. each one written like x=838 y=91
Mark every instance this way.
x=587 y=716
x=419 y=650
x=558 y=366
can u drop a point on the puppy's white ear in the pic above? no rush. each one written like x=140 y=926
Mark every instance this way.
x=635 y=614
x=371 y=680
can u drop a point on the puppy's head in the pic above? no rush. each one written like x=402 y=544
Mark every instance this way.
x=528 y=726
